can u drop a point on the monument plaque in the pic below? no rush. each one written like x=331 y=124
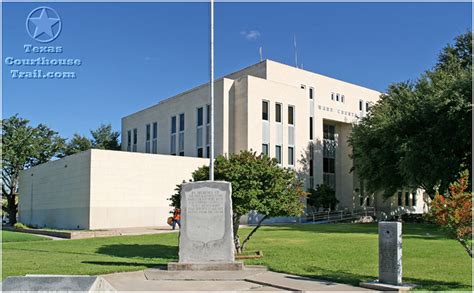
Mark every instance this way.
x=390 y=253
x=390 y=259
x=206 y=239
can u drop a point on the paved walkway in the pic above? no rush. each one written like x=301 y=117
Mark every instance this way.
x=250 y=279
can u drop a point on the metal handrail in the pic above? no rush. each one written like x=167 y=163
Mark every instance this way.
x=340 y=215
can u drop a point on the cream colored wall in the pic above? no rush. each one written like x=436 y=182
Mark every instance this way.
x=100 y=189
x=261 y=89
x=131 y=189
x=56 y=194
x=389 y=206
x=187 y=103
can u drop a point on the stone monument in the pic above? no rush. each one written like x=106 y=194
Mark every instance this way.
x=206 y=240
x=390 y=258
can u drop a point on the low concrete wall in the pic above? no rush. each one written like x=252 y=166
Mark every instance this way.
x=56 y=194
x=100 y=189
x=131 y=189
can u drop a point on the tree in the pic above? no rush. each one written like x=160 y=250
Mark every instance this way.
x=322 y=197
x=77 y=144
x=453 y=211
x=402 y=141
x=23 y=146
x=258 y=184
x=102 y=138
x=105 y=138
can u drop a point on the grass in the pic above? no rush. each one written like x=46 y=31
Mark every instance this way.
x=345 y=253
x=9 y=236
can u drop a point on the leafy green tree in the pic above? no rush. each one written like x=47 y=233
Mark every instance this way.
x=102 y=138
x=323 y=196
x=258 y=184
x=419 y=133
x=105 y=138
x=77 y=144
x=23 y=146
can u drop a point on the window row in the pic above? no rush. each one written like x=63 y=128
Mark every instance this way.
x=278 y=113
x=407 y=202
x=338 y=97
x=361 y=106
x=278 y=154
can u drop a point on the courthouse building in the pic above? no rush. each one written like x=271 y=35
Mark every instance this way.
x=301 y=118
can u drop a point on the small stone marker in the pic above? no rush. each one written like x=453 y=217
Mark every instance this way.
x=390 y=259
x=390 y=253
x=206 y=240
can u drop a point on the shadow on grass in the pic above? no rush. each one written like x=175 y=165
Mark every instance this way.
x=140 y=251
x=427 y=231
x=126 y=264
x=339 y=276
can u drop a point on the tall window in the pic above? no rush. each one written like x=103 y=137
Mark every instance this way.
x=367 y=106
x=329 y=132
x=129 y=140
x=368 y=201
x=311 y=93
x=400 y=199
x=291 y=113
x=337 y=97
x=199 y=132
x=278 y=112
x=148 y=139
x=265 y=149
x=264 y=110
x=200 y=116
x=407 y=198
x=291 y=156
x=173 y=136
x=329 y=155
x=135 y=139
x=329 y=165
x=181 y=134
x=342 y=98
x=154 y=146
x=332 y=96
x=278 y=153
x=361 y=103
x=310 y=128
x=413 y=198
x=208 y=131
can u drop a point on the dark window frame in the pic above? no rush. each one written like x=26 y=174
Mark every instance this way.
x=278 y=110
x=265 y=111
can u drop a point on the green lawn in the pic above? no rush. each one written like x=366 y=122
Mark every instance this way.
x=9 y=236
x=345 y=253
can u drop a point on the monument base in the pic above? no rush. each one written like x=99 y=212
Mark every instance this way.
x=376 y=285
x=206 y=266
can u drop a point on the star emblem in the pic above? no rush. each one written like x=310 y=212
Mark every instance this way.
x=46 y=26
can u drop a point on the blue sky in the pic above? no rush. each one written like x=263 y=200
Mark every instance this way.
x=136 y=54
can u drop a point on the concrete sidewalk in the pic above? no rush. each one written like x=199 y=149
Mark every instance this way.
x=250 y=279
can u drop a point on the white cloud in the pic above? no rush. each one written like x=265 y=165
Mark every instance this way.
x=250 y=35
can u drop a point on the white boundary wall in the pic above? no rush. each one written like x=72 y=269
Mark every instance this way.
x=100 y=189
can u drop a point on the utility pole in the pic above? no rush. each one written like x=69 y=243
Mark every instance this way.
x=211 y=155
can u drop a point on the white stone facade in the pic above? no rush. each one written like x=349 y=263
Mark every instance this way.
x=302 y=118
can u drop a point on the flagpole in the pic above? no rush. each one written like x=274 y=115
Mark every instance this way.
x=211 y=155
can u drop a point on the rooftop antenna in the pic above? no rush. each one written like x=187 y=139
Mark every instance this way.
x=260 y=51
x=211 y=152
x=296 y=51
